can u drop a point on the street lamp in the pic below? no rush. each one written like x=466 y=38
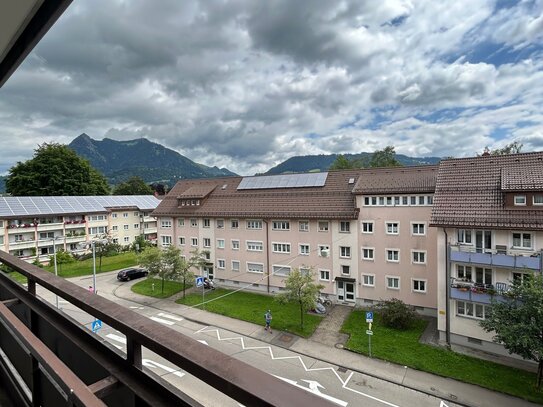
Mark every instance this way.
x=54 y=239
x=86 y=245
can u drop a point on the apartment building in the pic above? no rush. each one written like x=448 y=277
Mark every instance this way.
x=257 y=229
x=489 y=212
x=29 y=226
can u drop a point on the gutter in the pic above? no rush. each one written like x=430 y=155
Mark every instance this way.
x=447 y=290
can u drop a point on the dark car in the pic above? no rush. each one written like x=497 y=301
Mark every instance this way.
x=129 y=274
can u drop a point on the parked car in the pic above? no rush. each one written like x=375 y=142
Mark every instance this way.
x=130 y=274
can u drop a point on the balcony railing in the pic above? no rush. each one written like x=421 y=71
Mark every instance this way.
x=461 y=254
x=467 y=290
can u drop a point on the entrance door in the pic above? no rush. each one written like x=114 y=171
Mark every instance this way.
x=483 y=241
x=208 y=272
x=349 y=292
x=340 y=291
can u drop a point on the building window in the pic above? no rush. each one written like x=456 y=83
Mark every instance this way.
x=235 y=244
x=220 y=223
x=345 y=252
x=166 y=223
x=166 y=240
x=194 y=223
x=207 y=223
x=368 y=253
x=368 y=280
x=221 y=264
x=114 y=215
x=464 y=236
x=234 y=224
x=522 y=240
x=520 y=200
x=345 y=226
x=483 y=275
x=463 y=272
x=19 y=238
x=253 y=246
x=125 y=227
x=323 y=226
x=181 y=241
x=418 y=229
x=393 y=228
x=207 y=242
x=393 y=283
x=324 y=250
x=280 y=225
x=521 y=277
x=220 y=243
x=419 y=286
x=194 y=241
x=405 y=200
x=255 y=268
x=304 y=249
x=413 y=200
x=303 y=226
x=136 y=214
x=235 y=265
x=280 y=270
x=127 y=239
x=98 y=230
x=538 y=199
x=367 y=227
x=345 y=270
x=254 y=224
x=324 y=275
x=136 y=225
x=281 y=247
x=125 y=215
x=429 y=200
x=181 y=222
x=471 y=310
x=393 y=255
x=419 y=257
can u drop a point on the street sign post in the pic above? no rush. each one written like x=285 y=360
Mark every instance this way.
x=96 y=325
x=369 y=316
x=369 y=332
x=199 y=281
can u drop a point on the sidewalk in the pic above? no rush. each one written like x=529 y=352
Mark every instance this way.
x=323 y=347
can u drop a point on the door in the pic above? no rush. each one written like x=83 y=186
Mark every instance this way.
x=340 y=291
x=483 y=241
x=349 y=292
x=208 y=272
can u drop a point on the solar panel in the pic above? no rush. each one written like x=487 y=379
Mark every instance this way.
x=284 y=181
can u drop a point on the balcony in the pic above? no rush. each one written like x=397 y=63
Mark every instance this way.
x=462 y=254
x=22 y=244
x=71 y=224
x=44 y=227
x=466 y=290
x=148 y=231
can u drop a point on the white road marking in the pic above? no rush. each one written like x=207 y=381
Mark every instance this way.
x=204 y=342
x=133 y=307
x=153 y=365
x=364 y=394
x=116 y=338
x=314 y=388
x=442 y=404
x=162 y=321
x=169 y=316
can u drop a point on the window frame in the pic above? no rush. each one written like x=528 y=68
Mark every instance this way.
x=368 y=284
x=365 y=223
x=342 y=228
x=521 y=237
x=281 y=246
x=418 y=253
x=324 y=271
x=301 y=252
x=387 y=250
x=392 y=223
x=323 y=226
x=257 y=243
x=363 y=257
x=418 y=290
x=305 y=228
x=254 y=263
x=389 y=278
x=516 y=200
x=418 y=225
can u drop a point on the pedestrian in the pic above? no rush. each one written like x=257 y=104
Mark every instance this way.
x=91 y=290
x=268 y=318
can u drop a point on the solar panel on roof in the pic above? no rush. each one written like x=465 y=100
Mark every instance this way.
x=284 y=181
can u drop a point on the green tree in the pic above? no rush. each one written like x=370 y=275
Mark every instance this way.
x=512 y=148
x=518 y=321
x=300 y=287
x=63 y=257
x=182 y=270
x=342 y=163
x=151 y=259
x=385 y=158
x=140 y=244
x=133 y=186
x=55 y=169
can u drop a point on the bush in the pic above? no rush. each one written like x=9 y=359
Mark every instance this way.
x=396 y=314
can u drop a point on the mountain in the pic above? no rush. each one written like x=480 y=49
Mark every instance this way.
x=316 y=163
x=120 y=160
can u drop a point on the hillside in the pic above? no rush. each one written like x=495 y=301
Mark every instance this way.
x=120 y=160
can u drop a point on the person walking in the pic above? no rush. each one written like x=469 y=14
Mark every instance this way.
x=268 y=318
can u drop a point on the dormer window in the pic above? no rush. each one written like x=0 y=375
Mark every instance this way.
x=520 y=200
x=538 y=199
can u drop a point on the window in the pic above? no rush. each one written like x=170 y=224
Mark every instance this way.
x=207 y=223
x=235 y=244
x=389 y=200
x=418 y=229
x=95 y=217
x=254 y=224
x=221 y=264
x=280 y=225
x=194 y=241
x=323 y=226
x=98 y=230
x=405 y=200
x=127 y=239
x=136 y=225
x=281 y=270
x=393 y=255
x=181 y=241
x=324 y=250
x=207 y=242
x=538 y=199
x=43 y=235
x=235 y=265
x=471 y=310
x=220 y=243
x=368 y=253
x=166 y=240
x=521 y=277
x=303 y=226
x=463 y=272
x=520 y=200
x=419 y=286
x=483 y=275
x=253 y=246
x=393 y=283
x=324 y=275
x=429 y=200
x=234 y=224
x=19 y=238
x=115 y=228
x=220 y=223
x=304 y=270
x=367 y=227
x=368 y=280
x=304 y=249
x=114 y=215
x=255 y=268
x=125 y=227
x=345 y=270
x=125 y=215
x=419 y=257
x=194 y=223
x=345 y=252
x=181 y=222
x=392 y=228
x=166 y=223
x=281 y=247
x=522 y=240
x=345 y=226
x=413 y=200
x=464 y=236
x=136 y=214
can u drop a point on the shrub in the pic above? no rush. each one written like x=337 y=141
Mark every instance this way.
x=395 y=313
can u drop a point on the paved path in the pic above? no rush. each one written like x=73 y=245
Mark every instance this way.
x=327 y=332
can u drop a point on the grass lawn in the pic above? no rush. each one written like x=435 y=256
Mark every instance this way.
x=17 y=277
x=251 y=307
x=403 y=347
x=82 y=268
x=145 y=287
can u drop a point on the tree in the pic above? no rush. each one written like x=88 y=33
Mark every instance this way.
x=151 y=259
x=518 y=321
x=140 y=244
x=183 y=269
x=343 y=163
x=133 y=186
x=63 y=257
x=512 y=148
x=385 y=158
x=301 y=288
x=55 y=169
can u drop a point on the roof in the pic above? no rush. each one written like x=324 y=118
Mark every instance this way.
x=469 y=191
x=198 y=191
x=23 y=206
x=333 y=200
x=397 y=180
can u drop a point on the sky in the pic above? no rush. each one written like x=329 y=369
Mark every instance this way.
x=247 y=84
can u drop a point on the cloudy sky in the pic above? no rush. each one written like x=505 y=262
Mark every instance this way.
x=246 y=84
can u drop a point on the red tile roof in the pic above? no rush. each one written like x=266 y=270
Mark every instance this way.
x=470 y=192
x=397 y=180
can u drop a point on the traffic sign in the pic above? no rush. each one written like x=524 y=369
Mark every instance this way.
x=199 y=281
x=369 y=316
x=96 y=325
x=369 y=332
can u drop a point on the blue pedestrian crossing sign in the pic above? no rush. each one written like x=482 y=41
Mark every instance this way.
x=199 y=281
x=96 y=325
x=369 y=316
